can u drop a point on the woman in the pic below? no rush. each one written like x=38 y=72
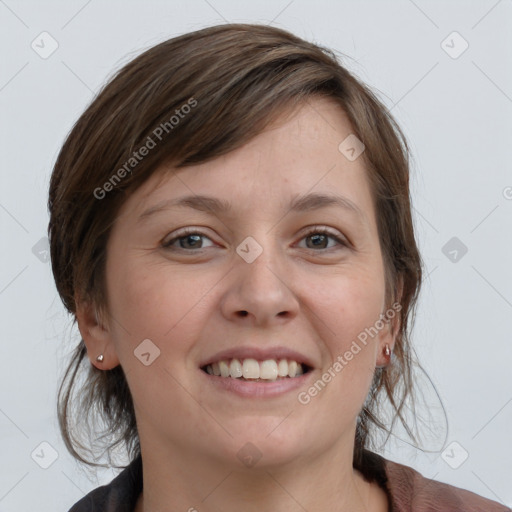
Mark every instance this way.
x=231 y=228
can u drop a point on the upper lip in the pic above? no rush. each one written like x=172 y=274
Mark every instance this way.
x=258 y=353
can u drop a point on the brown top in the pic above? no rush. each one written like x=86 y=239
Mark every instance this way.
x=410 y=491
x=407 y=490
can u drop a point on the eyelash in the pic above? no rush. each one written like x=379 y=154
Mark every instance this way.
x=191 y=231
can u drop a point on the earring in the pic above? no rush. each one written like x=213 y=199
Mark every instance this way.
x=100 y=358
x=387 y=355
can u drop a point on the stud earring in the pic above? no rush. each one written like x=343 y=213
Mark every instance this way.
x=100 y=358
x=387 y=355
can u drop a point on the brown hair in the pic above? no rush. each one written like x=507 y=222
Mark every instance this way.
x=235 y=79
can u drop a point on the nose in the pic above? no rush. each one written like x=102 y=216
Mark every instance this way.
x=260 y=293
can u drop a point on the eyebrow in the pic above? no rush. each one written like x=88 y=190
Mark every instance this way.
x=309 y=202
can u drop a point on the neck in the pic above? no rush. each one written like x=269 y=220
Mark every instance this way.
x=180 y=481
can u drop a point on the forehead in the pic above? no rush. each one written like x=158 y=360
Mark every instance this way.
x=297 y=154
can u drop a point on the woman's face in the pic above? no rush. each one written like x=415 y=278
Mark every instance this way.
x=257 y=281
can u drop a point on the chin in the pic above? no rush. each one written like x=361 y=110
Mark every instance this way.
x=267 y=441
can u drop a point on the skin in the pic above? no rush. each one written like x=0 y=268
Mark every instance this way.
x=315 y=300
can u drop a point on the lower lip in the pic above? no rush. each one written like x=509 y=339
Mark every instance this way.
x=259 y=389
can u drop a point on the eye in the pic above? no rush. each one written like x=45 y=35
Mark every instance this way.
x=190 y=239
x=319 y=237
x=187 y=240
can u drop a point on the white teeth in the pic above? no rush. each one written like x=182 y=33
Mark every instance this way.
x=270 y=369
x=224 y=369
x=235 y=369
x=251 y=369
x=292 y=368
x=282 y=368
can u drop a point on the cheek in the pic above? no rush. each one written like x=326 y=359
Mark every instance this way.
x=156 y=302
x=349 y=303
x=334 y=401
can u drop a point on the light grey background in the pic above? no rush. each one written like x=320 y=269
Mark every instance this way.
x=456 y=114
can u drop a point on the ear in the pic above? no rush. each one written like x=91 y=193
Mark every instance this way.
x=96 y=336
x=392 y=320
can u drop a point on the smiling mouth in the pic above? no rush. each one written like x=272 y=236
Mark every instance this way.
x=250 y=369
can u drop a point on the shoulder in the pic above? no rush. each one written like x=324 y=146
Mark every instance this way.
x=411 y=491
x=120 y=495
